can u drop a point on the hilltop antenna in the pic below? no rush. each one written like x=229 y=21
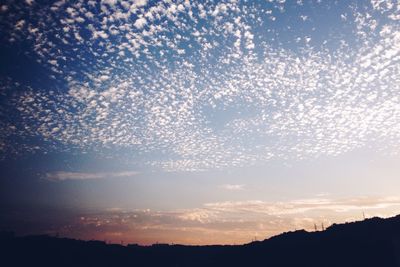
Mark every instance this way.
x=322 y=226
x=315 y=227
x=364 y=216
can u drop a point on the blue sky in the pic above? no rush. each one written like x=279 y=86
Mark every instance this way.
x=184 y=118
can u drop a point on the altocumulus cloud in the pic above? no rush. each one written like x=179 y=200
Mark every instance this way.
x=62 y=175
x=163 y=86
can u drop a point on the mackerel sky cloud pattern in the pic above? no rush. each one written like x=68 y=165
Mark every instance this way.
x=198 y=85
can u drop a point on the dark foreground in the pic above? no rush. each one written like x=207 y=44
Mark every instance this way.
x=373 y=242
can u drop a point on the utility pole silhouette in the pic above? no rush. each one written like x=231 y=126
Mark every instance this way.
x=315 y=227
x=322 y=227
x=364 y=215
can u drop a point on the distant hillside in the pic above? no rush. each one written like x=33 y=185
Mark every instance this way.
x=372 y=242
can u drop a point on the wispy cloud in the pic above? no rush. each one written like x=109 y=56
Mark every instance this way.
x=303 y=206
x=62 y=175
x=225 y=222
x=233 y=187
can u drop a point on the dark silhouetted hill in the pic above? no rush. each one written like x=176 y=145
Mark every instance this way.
x=373 y=242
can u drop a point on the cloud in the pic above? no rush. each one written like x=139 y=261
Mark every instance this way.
x=160 y=85
x=303 y=206
x=140 y=22
x=233 y=187
x=62 y=175
x=140 y=3
x=230 y=222
x=213 y=223
x=110 y=2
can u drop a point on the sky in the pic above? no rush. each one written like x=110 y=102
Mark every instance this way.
x=197 y=122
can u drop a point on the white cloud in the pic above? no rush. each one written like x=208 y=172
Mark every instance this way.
x=110 y=2
x=233 y=187
x=20 y=24
x=140 y=22
x=104 y=78
x=140 y=3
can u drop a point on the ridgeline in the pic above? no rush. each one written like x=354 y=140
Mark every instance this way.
x=373 y=242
